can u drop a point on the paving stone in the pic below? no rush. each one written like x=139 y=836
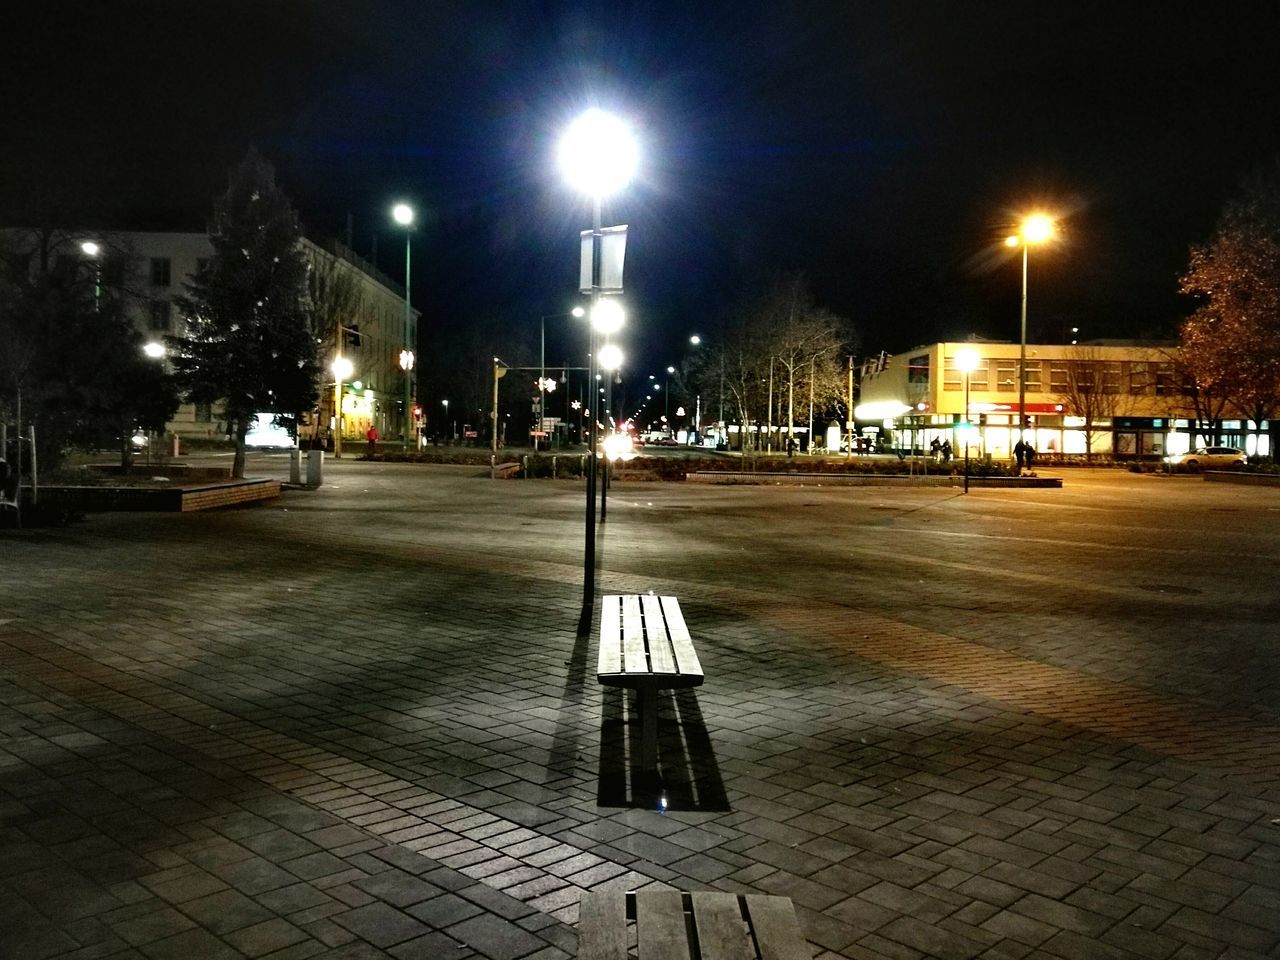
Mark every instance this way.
x=495 y=937
x=380 y=924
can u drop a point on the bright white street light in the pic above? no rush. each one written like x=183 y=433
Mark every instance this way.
x=153 y=350
x=578 y=312
x=402 y=213
x=341 y=368
x=966 y=361
x=406 y=359
x=610 y=356
x=598 y=154
x=695 y=339
x=90 y=249
x=607 y=316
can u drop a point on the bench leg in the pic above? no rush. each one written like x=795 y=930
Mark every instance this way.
x=648 y=699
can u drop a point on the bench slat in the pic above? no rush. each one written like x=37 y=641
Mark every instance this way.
x=633 y=653
x=602 y=926
x=661 y=659
x=610 y=660
x=661 y=933
x=722 y=934
x=777 y=931
x=681 y=642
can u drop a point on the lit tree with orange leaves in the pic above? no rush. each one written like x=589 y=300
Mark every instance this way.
x=1231 y=343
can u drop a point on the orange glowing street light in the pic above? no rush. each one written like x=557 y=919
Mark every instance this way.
x=1036 y=228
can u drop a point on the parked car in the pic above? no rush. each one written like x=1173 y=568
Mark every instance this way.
x=1209 y=458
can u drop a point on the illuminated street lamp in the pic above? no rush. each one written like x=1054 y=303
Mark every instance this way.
x=341 y=368
x=1035 y=229
x=90 y=248
x=445 y=404
x=598 y=157
x=966 y=361
x=153 y=350
x=402 y=213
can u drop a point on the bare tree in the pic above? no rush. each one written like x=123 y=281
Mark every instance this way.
x=1093 y=392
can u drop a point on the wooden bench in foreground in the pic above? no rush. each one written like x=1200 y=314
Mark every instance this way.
x=645 y=645
x=670 y=925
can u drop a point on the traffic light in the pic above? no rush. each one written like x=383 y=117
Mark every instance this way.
x=982 y=419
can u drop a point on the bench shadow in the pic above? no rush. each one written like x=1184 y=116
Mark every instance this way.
x=688 y=774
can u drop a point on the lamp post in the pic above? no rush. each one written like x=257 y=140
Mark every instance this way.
x=341 y=368
x=598 y=156
x=610 y=362
x=402 y=213
x=448 y=422
x=966 y=361
x=1034 y=229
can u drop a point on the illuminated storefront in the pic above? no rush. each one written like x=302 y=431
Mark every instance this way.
x=1108 y=399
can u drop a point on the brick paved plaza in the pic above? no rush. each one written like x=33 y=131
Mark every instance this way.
x=362 y=722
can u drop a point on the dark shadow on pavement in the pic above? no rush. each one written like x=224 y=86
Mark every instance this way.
x=688 y=775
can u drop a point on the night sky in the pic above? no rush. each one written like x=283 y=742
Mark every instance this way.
x=882 y=148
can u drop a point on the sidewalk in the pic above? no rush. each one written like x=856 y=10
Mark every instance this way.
x=360 y=722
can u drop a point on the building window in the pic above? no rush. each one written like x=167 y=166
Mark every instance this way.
x=918 y=369
x=160 y=313
x=1059 y=378
x=1166 y=384
x=1111 y=378
x=979 y=376
x=1139 y=378
x=952 y=378
x=160 y=271
x=1031 y=372
x=1006 y=375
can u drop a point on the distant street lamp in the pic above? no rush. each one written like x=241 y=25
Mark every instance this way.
x=402 y=213
x=1035 y=229
x=153 y=350
x=341 y=368
x=966 y=361
x=448 y=422
x=90 y=248
x=598 y=156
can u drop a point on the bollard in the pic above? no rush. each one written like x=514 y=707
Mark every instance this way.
x=524 y=465
x=315 y=467
x=295 y=465
x=175 y=446
x=555 y=471
x=493 y=467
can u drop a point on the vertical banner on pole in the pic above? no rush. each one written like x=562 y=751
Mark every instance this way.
x=613 y=253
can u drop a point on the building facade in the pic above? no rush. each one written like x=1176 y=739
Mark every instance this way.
x=152 y=269
x=1119 y=400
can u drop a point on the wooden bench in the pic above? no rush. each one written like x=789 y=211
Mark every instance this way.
x=645 y=645
x=670 y=925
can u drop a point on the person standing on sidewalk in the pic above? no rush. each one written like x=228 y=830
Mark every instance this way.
x=372 y=437
x=1020 y=454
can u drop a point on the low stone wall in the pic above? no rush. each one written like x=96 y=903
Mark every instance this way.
x=867 y=479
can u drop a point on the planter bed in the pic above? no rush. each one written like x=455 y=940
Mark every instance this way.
x=867 y=479
x=173 y=499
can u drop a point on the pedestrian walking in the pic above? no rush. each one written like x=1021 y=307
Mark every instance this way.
x=1030 y=456
x=935 y=448
x=946 y=451
x=372 y=437
x=1020 y=454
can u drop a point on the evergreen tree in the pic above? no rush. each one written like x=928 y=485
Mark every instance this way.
x=249 y=347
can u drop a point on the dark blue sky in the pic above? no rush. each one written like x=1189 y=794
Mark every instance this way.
x=883 y=148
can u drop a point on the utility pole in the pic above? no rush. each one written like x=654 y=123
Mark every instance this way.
x=849 y=413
